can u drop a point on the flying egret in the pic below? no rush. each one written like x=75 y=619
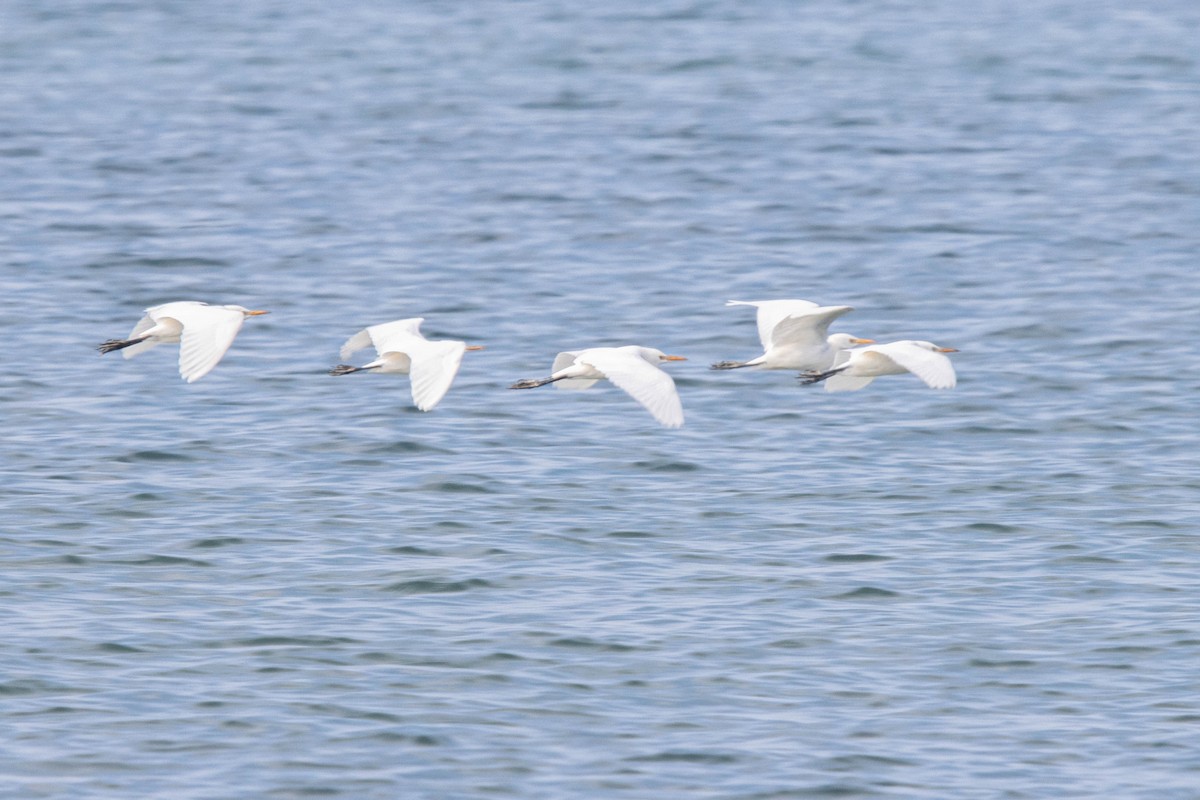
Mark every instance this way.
x=402 y=350
x=632 y=368
x=795 y=335
x=205 y=332
x=859 y=367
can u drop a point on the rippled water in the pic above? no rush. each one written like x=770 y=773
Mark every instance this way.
x=273 y=583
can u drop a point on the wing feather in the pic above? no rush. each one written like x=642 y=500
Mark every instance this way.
x=564 y=360
x=355 y=343
x=845 y=383
x=396 y=336
x=930 y=366
x=144 y=324
x=434 y=366
x=806 y=328
x=208 y=331
x=772 y=312
x=647 y=384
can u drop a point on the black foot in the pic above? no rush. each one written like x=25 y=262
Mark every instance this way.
x=728 y=365
x=118 y=344
x=345 y=369
x=814 y=376
x=531 y=383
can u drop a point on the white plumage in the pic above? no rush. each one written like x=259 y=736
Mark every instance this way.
x=204 y=332
x=856 y=368
x=632 y=368
x=795 y=335
x=402 y=350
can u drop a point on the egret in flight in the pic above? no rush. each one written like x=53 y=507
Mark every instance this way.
x=204 y=332
x=859 y=367
x=632 y=368
x=795 y=335
x=402 y=350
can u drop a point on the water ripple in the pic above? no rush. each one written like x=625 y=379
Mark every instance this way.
x=316 y=589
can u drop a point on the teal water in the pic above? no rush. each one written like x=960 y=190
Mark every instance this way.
x=273 y=583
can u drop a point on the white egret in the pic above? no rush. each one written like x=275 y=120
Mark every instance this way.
x=632 y=368
x=205 y=332
x=795 y=335
x=402 y=350
x=859 y=367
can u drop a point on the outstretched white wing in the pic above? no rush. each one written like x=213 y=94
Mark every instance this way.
x=867 y=359
x=355 y=343
x=208 y=331
x=564 y=360
x=144 y=324
x=806 y=328
x=387 y=337
x=434 y=365
x=845 y=383
x=393 y=343
x=647 y=384
x=930 y=366
x=772 y=312
x=396 y=337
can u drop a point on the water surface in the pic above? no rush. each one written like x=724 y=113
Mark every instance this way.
x=273 y=583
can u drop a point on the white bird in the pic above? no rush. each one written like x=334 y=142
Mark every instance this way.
x=859 y=367
x=632 y=368
x=205 y=332
x=795 y=335
x=402 y=350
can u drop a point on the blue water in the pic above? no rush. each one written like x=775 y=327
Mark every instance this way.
x=277 y=584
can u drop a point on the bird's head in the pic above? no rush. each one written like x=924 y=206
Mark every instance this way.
x=657 y=356
x=934 y=348
x=248 y=312
x=844 y=341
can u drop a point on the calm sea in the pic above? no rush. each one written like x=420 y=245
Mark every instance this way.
x=277 y=584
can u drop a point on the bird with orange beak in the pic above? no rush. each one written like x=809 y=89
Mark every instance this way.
x=204 y=333
x=402 y=350
x=795 y=335
x=859 y=367
x=632 y=368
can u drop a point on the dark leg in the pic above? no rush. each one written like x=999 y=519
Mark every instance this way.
x=119 y=344
x=816 y=377
x=533 y=383
x=346 y=369
x=729 y=365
